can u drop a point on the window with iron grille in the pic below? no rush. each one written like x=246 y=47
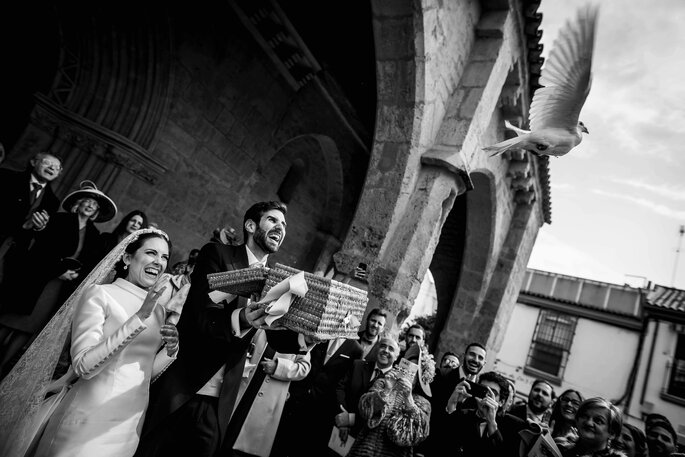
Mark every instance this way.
x=551 y=343
x=676 y=383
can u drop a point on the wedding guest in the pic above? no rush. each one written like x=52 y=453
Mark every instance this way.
x=562 y=421
x=478 y=425
x=357 y=382
x=598 y=423
x=312 y=401
x=415 y=334
x=63 y=254
x=443 y=388
x=254 y=424
x=395 y=414
x=186 y=267
x=369 y=337
x=662 y=439
x=27 y=202
x=540 y=399
x=631 y=441
x=225 y=235
x=135 y=220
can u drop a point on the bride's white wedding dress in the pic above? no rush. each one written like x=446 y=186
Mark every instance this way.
x=115 y=355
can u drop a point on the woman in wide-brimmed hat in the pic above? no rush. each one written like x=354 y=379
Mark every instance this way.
x=64 y=254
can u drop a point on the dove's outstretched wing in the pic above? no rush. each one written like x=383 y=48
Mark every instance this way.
x=567 y=75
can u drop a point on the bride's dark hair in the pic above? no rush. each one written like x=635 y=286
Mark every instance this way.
x=134 y=246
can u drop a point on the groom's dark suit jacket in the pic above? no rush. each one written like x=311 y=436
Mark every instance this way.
x=207 y=343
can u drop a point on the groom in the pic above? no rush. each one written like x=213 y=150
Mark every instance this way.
x=192 y=402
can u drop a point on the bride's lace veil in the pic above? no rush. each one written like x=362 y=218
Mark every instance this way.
x=21 y=391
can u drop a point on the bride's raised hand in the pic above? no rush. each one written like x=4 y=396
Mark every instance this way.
x=151 y=299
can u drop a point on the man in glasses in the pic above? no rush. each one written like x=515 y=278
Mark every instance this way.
x=27 y=202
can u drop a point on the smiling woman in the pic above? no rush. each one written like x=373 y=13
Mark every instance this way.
x=146 y=259
x=63 y=254
x=598 y=423
x=117 y=333
x=563 y=418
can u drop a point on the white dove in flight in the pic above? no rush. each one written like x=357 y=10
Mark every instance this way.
x=567 y=76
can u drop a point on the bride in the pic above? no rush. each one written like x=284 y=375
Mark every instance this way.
x=119 y=344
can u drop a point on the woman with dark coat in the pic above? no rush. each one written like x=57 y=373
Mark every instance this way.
x=135 y=220
x=63 y=255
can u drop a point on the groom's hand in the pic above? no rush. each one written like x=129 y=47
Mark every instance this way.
x=255 y=315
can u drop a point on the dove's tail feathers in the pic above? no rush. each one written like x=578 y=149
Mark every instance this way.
x=519 y=131
x=503 y=146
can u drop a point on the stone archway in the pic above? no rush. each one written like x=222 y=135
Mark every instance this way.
x=446 y=264
x=463 y=260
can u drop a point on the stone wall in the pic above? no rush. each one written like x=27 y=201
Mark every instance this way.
x=232 y=132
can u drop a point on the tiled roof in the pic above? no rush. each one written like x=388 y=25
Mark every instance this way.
x=667 y=298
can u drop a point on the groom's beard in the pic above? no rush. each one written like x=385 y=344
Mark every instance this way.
x=260 y=239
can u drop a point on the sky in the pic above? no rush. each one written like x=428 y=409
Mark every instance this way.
x=618 y=199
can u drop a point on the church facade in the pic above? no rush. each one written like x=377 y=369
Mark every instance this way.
x=368 y=119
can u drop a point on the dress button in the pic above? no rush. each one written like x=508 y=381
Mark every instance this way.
x=266 y=380
x=261 y=394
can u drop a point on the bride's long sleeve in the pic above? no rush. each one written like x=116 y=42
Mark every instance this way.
x=90 y=349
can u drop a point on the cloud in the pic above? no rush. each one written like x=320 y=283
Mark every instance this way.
x=552 y=254
x=662 y=190
x=658 y=208
x=560 y=186
x=634 y=106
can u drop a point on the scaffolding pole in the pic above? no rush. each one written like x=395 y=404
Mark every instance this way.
x=677 y=254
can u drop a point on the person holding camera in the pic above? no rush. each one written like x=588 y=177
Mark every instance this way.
x=479 y=425
x=63 y=254
x=473 y=362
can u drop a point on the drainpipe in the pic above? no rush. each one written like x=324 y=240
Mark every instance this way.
x=649 y=361
x=630 y=387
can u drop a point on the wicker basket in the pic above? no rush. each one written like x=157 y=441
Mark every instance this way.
x=244 y=282
x=322 y=311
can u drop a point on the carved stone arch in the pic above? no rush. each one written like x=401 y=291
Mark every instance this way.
x=316 y=200
x=329 y=156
